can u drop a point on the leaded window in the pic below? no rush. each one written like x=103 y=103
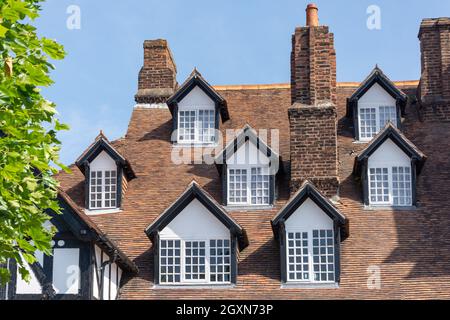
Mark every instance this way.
x=249 y=186
x=103 y=189
x=311 y=256
x=390 y=186
x=197 y=126
x=195 y=261
x=373 y=119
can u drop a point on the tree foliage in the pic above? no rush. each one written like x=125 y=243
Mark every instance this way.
x=29 y=149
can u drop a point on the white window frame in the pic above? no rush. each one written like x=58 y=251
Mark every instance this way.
x=197 y=123
x=183 y=281
x=249 y=187
x=377 y=118
x=311 y=279
x=390 y=185
x=103 y=191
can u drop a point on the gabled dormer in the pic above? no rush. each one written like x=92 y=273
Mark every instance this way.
x=196 y=110
x=106 y=173
x=387 y=169
x=196 y=242
x=376 y=102
x=309 y=230
x=248 y=167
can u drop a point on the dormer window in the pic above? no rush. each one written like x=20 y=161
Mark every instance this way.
x=248 y=168
x=388 y=168
x=375 y=103
x=106 y=172
x=195 y=242
x=310 y=230
x=196 y=108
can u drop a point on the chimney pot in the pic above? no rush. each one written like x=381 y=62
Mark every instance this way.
x=312 y=17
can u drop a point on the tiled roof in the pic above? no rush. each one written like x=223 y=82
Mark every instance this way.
x=408 y=247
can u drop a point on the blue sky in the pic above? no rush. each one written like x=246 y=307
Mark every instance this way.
x=230 y=42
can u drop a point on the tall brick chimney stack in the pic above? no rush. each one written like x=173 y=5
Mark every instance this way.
x=312 y=116
x=157 y=78
x=434 y=87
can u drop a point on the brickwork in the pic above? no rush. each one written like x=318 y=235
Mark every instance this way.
x=313 y=66
x=157 y=77
x=434 y=36
x=314 y=147
x=312 y=117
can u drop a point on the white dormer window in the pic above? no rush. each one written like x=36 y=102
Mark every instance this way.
x=389 y=176
x=103 y=183
x=376 y=102
x=196 y=118
x=196 y=125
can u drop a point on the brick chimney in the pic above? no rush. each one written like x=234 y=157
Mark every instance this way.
x=313 y=116
x=434 y=87
x=157 y=77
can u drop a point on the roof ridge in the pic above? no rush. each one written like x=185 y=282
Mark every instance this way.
x=286 y=85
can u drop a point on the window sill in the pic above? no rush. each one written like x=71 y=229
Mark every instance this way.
x=194 y=145
x=361 y=141
x=388 y=208
x=310 y=285
x=248 y=207
x=193 y=286
x=101 y=211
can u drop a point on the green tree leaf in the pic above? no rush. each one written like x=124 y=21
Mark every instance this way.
x=28 y=144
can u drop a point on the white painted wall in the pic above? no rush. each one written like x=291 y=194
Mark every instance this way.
x=388 y=155
x=23 y=287
x=307 y=217
x=103 y=162
x=98 y=254
x=376 y=96
x=195 y=222
x=248 y=154
x=112 y=282
x=106 y=280
x=66 y=270
x=196 y=99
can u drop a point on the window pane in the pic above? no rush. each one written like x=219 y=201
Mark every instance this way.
x=323 y=255
x=387 y=113
x=186 y=128
x=220 y=260
x=401 y=186
x=260 y=186
x=95 y=194
x=368 y=122
x=110 y=189
x=170 y=261
x=206 y=125
x=298 y=259
x=237 y=186
x=195 y=260
x=379 y=185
